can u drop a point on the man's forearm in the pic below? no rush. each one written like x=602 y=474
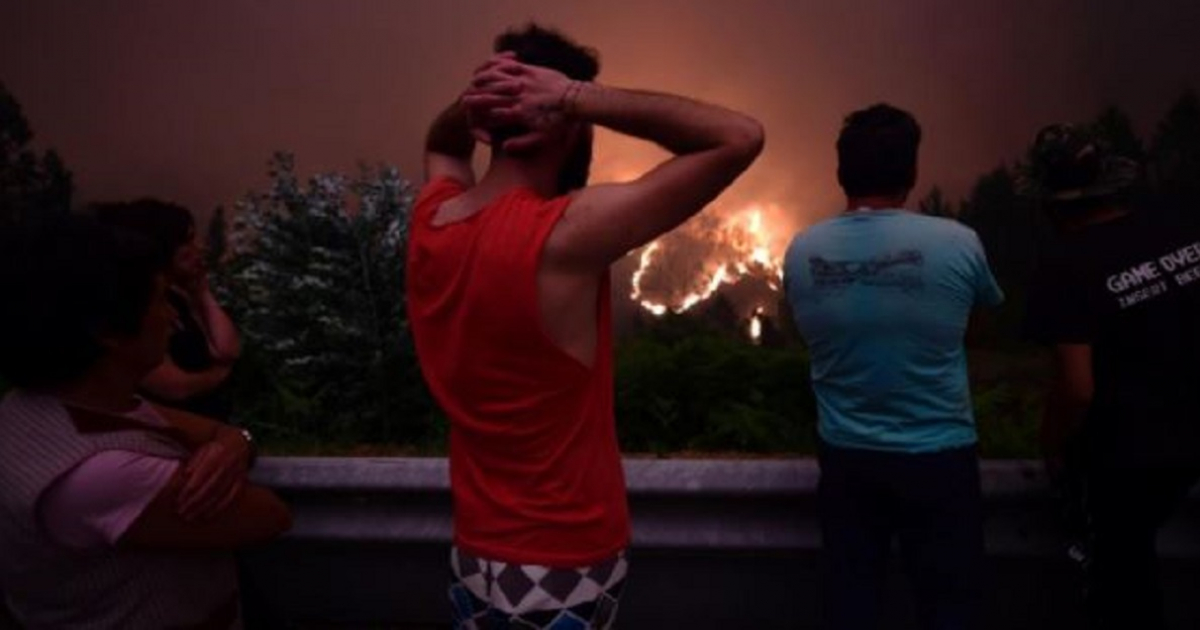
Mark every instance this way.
x=678 y=124
x=450 y=134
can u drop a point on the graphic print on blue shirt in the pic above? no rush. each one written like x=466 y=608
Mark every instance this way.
x=901 y=270
x=882 y=299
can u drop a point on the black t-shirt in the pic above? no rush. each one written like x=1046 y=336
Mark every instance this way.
x=188 y=349
x=1130 y=288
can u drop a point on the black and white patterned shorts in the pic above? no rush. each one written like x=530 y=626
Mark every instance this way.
x=492 y=595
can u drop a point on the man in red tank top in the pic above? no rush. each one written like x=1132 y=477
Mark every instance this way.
x=508 y=298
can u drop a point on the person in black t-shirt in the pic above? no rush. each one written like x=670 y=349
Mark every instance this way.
x=1118 y=298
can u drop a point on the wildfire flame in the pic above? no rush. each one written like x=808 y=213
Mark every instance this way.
x=743 y=246
x=756 y=325
x=647 y=257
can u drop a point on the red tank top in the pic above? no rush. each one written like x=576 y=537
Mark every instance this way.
x=534 y=465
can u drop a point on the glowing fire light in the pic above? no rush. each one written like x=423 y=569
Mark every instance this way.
x=745 y=249
x=756 y=325
x=658 y=310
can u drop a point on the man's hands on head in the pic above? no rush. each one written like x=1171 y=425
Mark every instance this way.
x=712 y=145
x=505 y=93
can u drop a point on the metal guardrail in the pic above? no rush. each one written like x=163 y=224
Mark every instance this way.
x=716 y=544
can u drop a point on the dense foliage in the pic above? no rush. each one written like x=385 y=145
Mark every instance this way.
x=314 y=277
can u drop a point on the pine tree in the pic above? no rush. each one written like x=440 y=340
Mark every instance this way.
x=1175 y=153
x=934 y=204
x=31 y=186
x=1114 y=126
x=215 y=242
x=314 y=278
x=1010 y=226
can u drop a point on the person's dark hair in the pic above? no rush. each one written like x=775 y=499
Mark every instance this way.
x=537 y=45
x=540 y=46
x=65 y=284
x=167 y=224
x=877 y=152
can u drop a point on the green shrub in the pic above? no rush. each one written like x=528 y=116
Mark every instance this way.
x=711 y=392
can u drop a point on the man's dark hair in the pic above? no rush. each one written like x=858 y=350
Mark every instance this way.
x=540 y=46
x=877 y=152
x=66 y=283
x=537 y=45
x=168 y=224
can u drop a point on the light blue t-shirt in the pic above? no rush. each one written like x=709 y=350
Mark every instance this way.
x=882 y=297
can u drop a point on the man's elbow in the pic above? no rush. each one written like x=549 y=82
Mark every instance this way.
x=747 y=138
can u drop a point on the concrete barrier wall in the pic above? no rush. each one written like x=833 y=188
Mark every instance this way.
x=717 y=544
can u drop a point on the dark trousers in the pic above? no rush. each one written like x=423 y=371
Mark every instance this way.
x=257 y=612
x=1125 y=509
x=931 y=503
x=6 y=620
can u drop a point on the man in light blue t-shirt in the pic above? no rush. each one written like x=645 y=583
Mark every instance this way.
x=882 y=296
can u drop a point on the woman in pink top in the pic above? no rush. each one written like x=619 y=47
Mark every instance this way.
x=113 y=514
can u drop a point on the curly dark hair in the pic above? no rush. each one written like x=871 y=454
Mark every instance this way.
x=537 y=45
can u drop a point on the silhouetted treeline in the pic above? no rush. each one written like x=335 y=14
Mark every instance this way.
x=1014 y=228
x=31 y=185
x=327 y=366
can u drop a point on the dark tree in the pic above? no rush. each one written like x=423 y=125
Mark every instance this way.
x=1010 y=227
x=30 y=185
x=1175 y=153
x=314 y=278
x=1115 y=127
x=934 y=204
x=217 y=239
x=997 y=213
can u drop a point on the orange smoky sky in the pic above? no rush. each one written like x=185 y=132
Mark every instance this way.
x=186 y=101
